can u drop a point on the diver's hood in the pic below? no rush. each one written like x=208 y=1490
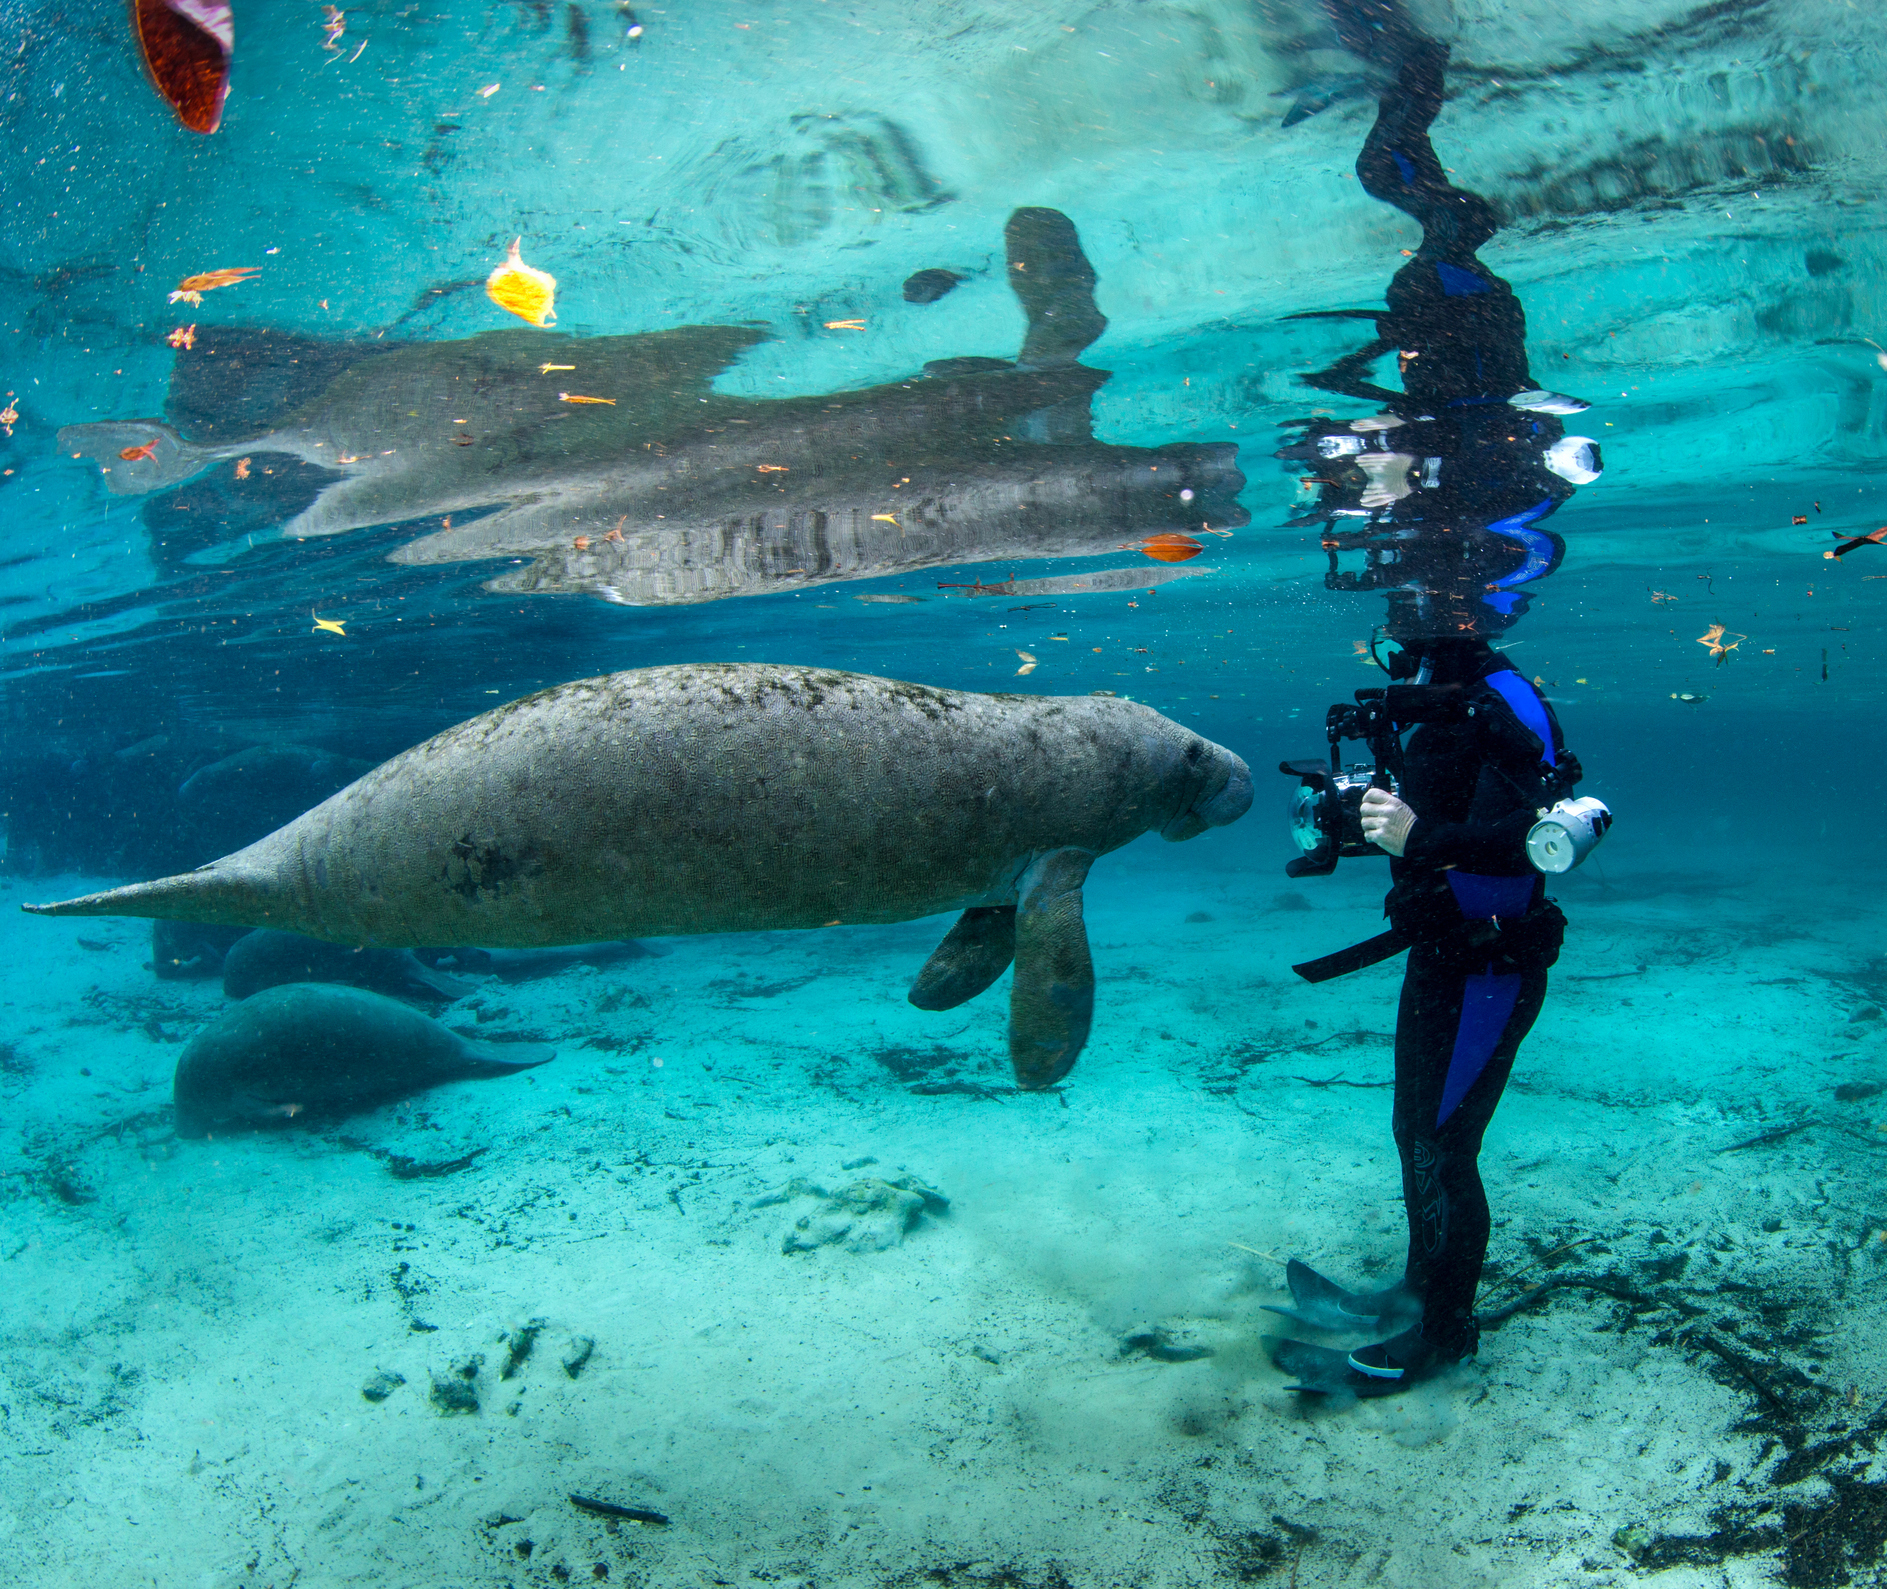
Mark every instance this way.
x=1576 y=459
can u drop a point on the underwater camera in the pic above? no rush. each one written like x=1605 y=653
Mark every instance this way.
x=1326 y=807
x=1326 y=814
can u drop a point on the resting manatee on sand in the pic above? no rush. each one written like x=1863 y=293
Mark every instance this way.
x=740 y=798
x=268 y=959
x=319 y=1051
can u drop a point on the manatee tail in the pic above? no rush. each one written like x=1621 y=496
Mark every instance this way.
x=1055 y=282
x=975 y=952
x=137 y=455
x=217 y=895
x=1051 y=1003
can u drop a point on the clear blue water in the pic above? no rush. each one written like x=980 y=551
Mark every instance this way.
x=1686 y=208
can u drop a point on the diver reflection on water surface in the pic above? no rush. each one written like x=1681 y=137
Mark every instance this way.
x=1443 y=492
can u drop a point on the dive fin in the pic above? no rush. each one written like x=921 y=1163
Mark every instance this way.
x=1055 y=282
x=1322 y=1304
x=1051 y=1002
x=1319 y=1370
x=975 y=952
x=169 y=459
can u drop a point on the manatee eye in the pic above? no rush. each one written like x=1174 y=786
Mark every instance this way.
x=1195 y=750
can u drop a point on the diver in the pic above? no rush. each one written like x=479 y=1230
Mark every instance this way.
x=1443 y=491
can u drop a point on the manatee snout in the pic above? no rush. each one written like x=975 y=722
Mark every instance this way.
x=1223 y=785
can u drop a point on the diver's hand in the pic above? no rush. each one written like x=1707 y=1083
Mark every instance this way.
x=1386 y=821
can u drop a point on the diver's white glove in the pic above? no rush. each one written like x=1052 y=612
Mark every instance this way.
x=1387 y=821
x=1388 y=474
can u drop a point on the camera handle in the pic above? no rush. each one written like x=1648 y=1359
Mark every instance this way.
x=1370 y=721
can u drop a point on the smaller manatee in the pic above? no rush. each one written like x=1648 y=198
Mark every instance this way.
x=190 y=950
x=323 y=1052
x=528 y=965
x=927 y=286
x=266 y=958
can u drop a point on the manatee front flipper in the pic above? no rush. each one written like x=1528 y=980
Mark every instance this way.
x=975 y=952
x=1055 y=282
x=1052 y=1000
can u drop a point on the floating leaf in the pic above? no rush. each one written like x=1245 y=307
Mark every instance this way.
x=525 y=291
x=187 y=45
x=1169 y=548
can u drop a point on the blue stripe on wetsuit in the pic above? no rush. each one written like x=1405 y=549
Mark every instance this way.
x=1525 y=703
x=1486 y=1004
x=1502 y=596
x=1487 y=1001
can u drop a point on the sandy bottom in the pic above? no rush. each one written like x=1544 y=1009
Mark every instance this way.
x=1055 y=1380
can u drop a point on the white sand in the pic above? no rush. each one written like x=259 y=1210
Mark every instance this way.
x=183 y=1354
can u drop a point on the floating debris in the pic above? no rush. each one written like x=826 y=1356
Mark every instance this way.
x=1028 y=663
x=1720 y=643
x=186 y=46
x=1168 y=548
x=192 y=288
x=578 y=397
x=522 y=289
x=1874 y=538
x=183 y=337
x=328 y=625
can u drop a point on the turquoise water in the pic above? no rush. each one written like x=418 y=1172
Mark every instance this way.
x=787 y=1271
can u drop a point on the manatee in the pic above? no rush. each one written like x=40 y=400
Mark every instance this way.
x=267 y=959
x=309 y=1049
x=738 y=798
x=257 y=789
x=673 y=491
x=529 y=965
x=186 y=951
x=927 y=286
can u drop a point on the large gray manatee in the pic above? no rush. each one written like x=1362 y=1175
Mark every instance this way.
x=738 y=798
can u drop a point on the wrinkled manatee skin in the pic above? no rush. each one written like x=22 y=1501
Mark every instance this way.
x=308 y=1053
x=710 y=798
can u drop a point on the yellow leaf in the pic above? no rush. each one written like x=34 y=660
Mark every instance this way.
x=525 y=291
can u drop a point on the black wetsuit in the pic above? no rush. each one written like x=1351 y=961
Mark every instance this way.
x=1470 y=993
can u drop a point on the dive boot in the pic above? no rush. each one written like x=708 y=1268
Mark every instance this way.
x=1383 y=1368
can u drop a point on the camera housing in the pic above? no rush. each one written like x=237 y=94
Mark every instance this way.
x=1326 y=814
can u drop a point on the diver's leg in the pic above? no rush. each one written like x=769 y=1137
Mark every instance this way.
x=1426 y=1021
x=1453 y=1268
x=1399 y=165
x=1456 y=1037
